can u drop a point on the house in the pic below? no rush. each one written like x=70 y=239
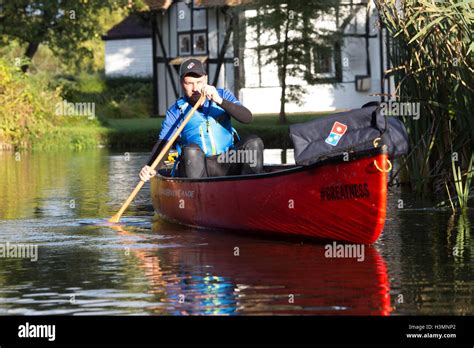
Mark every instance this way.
x=128 y=47
x=348 y=70
x=351 y=72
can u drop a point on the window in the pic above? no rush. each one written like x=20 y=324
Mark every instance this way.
x=184 y=44
x=200 y=44
x=322 y=60
x=191 y=28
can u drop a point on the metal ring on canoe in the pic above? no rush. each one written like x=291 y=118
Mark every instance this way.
x=383 y=170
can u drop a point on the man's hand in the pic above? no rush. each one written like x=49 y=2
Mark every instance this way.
x=212 y=94
x=147 y=173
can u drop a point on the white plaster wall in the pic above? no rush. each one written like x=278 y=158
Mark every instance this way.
x=321 y=97
x=128 y=57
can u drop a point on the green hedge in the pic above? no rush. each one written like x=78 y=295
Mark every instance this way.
x=143 y=133
x=121 y=97
x=28 y=116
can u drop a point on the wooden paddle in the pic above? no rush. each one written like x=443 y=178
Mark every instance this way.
x=116 y=217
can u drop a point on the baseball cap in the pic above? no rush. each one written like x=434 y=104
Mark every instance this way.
x=191 y=66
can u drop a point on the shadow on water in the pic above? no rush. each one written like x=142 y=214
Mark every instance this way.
x=430 y=256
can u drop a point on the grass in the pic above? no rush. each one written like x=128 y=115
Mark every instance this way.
x=133 y=133
x=78 y=137
x=131 y=125
x=463 y=188
x=143 y=133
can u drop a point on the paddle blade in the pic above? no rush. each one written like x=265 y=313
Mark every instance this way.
x=115 y=219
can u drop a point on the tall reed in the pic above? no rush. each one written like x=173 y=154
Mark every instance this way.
x=431 y=54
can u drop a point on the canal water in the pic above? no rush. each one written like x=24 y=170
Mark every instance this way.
x=59 y=204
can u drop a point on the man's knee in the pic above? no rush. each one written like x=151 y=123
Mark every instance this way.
x=192 y=148
x=193 y=162
x=254 y=145
x=192 y=152
x=252 y=142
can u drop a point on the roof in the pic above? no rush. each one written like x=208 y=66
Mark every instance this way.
x=135 y=26
x=158 y=4
x=138 y=25
x=165 y=4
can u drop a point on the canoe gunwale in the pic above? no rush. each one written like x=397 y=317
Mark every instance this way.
x=293 y=169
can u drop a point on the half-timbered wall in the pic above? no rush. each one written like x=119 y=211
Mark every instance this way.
x=180 y=32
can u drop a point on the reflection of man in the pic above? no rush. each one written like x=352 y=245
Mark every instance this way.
x=209 y=134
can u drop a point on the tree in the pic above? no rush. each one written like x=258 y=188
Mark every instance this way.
x=294 y=36
x=63 y=25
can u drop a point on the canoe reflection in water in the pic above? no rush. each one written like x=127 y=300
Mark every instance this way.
x=201 y=274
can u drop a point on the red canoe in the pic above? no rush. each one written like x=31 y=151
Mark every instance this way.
x=335 y=199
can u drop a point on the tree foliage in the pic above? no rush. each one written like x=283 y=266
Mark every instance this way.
x=63 y=25
x=292 y=36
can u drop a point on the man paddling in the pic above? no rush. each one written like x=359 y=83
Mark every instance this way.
x=207 y=145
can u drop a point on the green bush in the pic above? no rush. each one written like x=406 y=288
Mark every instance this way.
x=26 y=108
x=28 y=114
x=121 y=97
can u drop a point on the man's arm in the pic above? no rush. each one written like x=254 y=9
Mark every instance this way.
x=238 y=111
x=160 y=144
x=229 y=103
x=147 y=173
x=167 y=128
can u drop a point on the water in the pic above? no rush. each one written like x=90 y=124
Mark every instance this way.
x=422 y=263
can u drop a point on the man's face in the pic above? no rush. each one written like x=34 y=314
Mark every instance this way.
x=193 y=85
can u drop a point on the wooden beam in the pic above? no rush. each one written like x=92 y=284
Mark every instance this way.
x=367 y=51
x=156 y=110
x=382 y=73
x=238 y=45
x=180 y=60
x=223 y=50
x=166 y=59
x=368 y=36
